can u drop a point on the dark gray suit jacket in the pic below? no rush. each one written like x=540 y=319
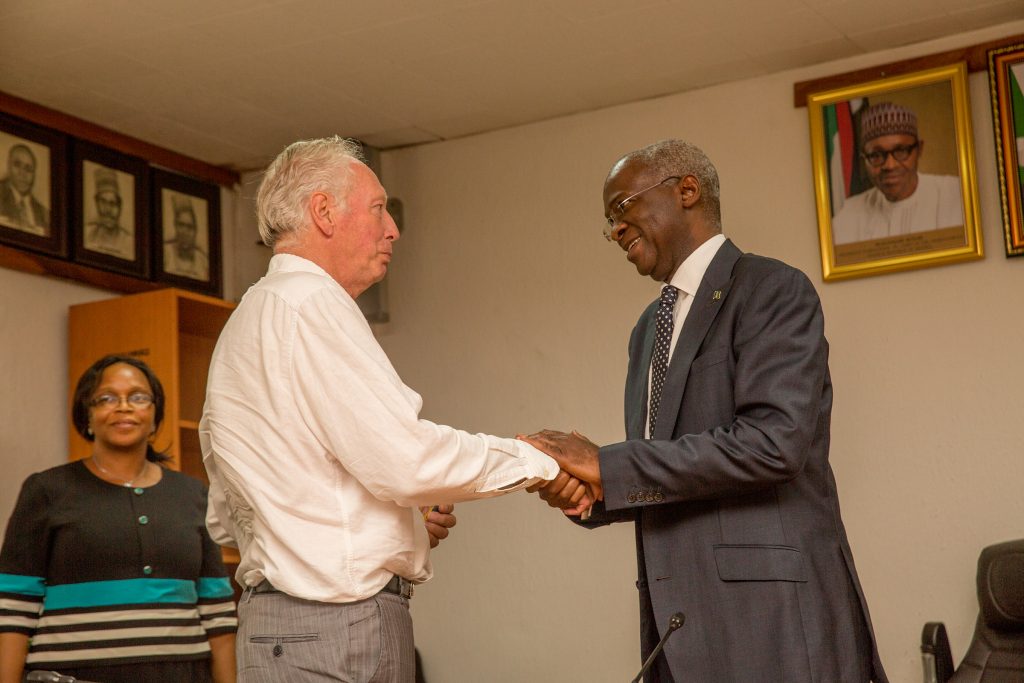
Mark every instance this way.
x=735 y=504
x=10 y=209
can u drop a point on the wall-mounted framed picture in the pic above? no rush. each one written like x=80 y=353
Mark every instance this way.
x=1006 y=80
x=894 y=174
x=187 y=244
x=109 y=210
x=33 y=187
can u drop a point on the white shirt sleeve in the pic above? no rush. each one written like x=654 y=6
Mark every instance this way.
x=357 y=406
x=218 y=519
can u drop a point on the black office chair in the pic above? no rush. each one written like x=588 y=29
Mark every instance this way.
x=996 y=652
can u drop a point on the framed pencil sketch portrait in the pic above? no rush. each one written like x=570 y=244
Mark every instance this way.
x=186 y=221
x=894 y=174
x=1006 y=79
x=109 y=209
x=33 y=187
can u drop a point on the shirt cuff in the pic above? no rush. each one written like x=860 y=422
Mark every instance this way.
x=530 y=467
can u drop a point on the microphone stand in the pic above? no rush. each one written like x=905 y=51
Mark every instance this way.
x=51 y=677
x=674 y=623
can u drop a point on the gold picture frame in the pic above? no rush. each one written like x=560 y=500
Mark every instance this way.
x=1006 y=77
x=895 y=214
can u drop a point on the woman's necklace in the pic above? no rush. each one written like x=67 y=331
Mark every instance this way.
x=110 y=474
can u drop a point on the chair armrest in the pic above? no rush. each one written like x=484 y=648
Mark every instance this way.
x=935 y=654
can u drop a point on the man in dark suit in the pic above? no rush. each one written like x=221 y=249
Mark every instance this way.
x=19 y=208
x=725 y=465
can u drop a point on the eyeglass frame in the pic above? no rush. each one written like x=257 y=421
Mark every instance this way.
x=141 y=401
x=619 y=210
x=886 y=153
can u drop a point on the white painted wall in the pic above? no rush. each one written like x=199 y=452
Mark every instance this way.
x=33 y=371
x=510 y=313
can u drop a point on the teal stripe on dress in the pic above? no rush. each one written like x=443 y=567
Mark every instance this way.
x=34 y=586
x=119 y=592
x=214 y=587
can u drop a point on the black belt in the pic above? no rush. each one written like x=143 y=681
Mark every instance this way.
x=397 y=586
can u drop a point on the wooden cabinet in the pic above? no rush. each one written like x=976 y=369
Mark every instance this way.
x=174 y=332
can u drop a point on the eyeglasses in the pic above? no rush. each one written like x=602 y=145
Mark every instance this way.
x=878 y=157
x=620 y=209
x=110 y=401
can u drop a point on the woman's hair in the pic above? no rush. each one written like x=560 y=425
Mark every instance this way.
x=86 y=387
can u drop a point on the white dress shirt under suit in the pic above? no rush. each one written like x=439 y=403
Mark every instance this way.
x=315 y=451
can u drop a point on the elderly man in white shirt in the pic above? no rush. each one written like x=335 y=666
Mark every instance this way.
x=321 y=470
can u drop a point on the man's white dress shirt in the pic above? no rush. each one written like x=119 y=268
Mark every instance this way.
x=315 y=451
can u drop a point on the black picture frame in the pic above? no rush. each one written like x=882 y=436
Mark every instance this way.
x=42 y=225
x=105 y=180
x=186 y=234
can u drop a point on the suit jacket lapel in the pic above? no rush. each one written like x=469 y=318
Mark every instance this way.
x=707 y=302
x=636 y=391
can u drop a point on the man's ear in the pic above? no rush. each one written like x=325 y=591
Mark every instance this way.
x=689 y=191
x=321 y=212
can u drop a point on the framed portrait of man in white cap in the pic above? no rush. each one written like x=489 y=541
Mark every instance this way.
x=186 y=217
x=110 y=200
x=32 y=187
x=894 y=174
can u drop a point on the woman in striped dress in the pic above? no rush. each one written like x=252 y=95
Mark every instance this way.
x=107 y=572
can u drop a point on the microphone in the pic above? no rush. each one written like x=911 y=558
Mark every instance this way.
x=49 y=677
x=674 y=623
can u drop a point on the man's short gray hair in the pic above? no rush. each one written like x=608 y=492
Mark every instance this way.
x=678 y=158
x=304 y=167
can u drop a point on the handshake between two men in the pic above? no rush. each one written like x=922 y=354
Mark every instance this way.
x=578 y=486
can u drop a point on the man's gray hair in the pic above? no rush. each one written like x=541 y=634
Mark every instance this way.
x=678 y=158
x=304 y=167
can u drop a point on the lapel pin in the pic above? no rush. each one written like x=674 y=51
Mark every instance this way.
x=717 y=295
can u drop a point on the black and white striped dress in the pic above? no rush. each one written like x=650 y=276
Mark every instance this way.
x=100 y=575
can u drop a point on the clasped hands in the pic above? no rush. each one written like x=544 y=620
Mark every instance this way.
x=578 y=486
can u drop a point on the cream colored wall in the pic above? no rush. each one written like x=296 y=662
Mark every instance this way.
x=510 y=312
x=34 y=368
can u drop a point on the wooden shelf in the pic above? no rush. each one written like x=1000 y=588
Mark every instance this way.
x=37 y=264
x=976 y=57
x=86 y=130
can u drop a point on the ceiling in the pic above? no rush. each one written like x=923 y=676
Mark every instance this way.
x=231 y=82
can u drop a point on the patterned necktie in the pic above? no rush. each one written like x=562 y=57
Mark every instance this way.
x=662 y=342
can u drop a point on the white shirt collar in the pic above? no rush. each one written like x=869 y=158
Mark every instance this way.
x=291 y=263
x=688 y=276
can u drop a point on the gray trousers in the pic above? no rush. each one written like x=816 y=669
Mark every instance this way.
x=286 y=639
